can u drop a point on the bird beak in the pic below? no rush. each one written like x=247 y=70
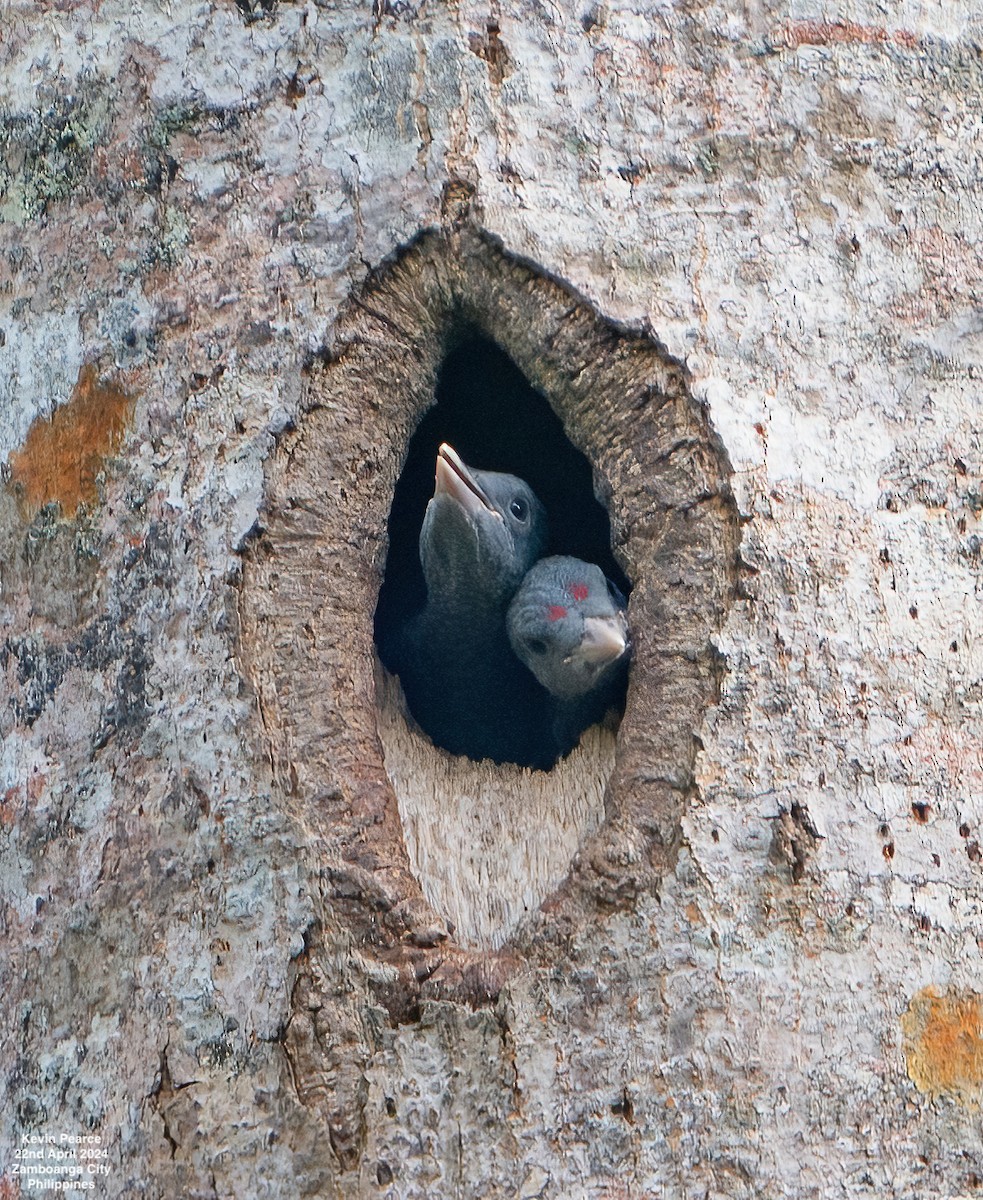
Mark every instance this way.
x=453 y=478
x=604 y=639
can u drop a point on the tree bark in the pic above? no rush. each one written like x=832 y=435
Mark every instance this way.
x=260 y=939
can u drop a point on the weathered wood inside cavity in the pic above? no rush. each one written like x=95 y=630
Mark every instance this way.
x=488 y=844
x=312 y=580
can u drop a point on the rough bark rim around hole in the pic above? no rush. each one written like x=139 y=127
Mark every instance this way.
x=311 y=581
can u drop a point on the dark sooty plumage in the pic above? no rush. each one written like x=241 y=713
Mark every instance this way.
x=481 y=533
x=567 y=623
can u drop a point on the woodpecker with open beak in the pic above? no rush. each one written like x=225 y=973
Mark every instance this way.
x=481 y=533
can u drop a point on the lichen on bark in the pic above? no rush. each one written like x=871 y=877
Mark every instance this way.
x=789 y=201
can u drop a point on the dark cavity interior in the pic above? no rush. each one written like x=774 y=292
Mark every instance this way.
x=487 y=410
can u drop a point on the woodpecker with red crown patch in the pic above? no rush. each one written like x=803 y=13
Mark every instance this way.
x=568 y=624
x=481 y=533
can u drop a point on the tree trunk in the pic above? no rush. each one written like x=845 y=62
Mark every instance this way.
x=262 y=938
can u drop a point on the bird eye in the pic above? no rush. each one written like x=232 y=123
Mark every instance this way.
x=536 y=645
x=519 y=509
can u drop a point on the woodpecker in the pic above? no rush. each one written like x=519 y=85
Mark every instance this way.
x=568 y=624
x=481 y=533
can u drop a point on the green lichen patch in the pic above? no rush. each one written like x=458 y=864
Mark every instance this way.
x=46 y=154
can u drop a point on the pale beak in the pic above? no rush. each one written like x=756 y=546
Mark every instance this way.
x=605 y=639
x=453 y=478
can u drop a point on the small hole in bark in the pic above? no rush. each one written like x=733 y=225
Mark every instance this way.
x=491 y=416
x=623 y=1107
x=920 y=812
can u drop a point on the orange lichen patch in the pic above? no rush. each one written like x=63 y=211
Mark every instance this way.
x=944 y=1043
x=61 y=458
x=10 y=807
x=828 y=33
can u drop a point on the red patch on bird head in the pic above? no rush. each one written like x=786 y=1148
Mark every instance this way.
x=556 y=612
x=579 y=591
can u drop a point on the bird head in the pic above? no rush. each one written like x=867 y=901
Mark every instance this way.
x=567 y=623
x=481 y=533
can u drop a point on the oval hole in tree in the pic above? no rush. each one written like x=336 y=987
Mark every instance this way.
x=488 y=411
x=419 y=851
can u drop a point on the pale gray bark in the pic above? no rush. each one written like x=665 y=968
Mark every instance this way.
x=761 y=977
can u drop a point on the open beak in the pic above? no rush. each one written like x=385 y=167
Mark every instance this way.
x=605 y=639
x=453 y=478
